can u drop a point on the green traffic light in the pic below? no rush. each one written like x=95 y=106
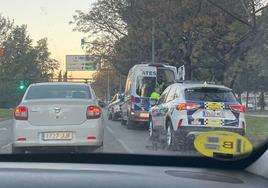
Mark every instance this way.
x=22 y=85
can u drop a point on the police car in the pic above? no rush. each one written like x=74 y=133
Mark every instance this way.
x=185 y=110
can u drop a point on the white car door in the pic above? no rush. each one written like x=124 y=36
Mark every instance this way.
x=170 y=103
x=158 y=111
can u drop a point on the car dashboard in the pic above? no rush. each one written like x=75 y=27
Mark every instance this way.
x=68 y=175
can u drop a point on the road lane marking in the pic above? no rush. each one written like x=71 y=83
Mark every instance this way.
x=3 y=129
x=125 y=146
x=7 y=145
x=110 y=130
x=120 y=141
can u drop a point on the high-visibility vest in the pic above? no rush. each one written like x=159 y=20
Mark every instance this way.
x=155 y=96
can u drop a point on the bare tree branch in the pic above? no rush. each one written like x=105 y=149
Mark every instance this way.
x=229 y=13
x=260 y=9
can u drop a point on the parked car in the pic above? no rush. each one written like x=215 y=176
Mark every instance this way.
x=101 y=103
x=114 y=108
x=58 y=115
x=185 y=110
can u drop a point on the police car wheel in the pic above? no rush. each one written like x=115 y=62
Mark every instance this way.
x=170 y=138
x=151 y=131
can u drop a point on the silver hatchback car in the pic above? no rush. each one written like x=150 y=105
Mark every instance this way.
x=58 y=116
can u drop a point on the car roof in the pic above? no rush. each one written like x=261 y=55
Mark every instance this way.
x=152 y=65
x=59 y=83
x=183 y=86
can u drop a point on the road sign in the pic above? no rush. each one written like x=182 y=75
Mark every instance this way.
x=81 y=63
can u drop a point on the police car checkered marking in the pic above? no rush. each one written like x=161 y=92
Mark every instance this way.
x=206 y=121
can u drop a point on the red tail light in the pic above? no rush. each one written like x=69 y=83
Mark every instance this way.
x=180 y=123
x=21 y=113
x=93 y=112
x=238 y=108
x=132 y=103
x=188 y=106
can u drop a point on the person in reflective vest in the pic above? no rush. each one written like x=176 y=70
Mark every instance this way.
x=155 y=95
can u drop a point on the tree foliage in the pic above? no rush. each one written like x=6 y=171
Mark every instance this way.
x=21 y=61
x=217 y=40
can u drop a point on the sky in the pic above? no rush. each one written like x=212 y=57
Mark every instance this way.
x=49 y=18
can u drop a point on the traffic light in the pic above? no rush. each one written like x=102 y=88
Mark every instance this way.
x=82 y=43
x=22 y=85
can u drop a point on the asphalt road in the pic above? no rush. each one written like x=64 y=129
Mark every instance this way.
x=5 y=136
x=117 y=139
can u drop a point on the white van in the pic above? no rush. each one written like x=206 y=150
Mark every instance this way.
x=141 y=82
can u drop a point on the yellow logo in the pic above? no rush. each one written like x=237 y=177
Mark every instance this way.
x=223 y=145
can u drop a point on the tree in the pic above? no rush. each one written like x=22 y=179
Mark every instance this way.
x=22 y=62
x=45 y=64
x=211 y=38
x=65 y=77
x=100 y=84
x=59 y=77
x=5 y=28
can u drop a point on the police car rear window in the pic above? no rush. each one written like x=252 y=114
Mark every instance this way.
x=209 y=94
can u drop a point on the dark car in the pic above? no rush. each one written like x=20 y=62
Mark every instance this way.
x=101 y=103
x=114 y=108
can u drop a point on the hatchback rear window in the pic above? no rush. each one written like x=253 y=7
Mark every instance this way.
x=59 y=92
x=210 y=94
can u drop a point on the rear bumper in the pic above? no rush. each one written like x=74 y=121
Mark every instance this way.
x=90 y=133
x=142 y=117
x=194 y=131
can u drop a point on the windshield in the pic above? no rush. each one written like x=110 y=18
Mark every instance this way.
x=58 y=92
x=165 y=76
x=158 y=77
x=145 y=86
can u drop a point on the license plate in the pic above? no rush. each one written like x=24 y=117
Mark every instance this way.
x=144 y=115
x=214 y=106
x=213 y=113
x=58 y=136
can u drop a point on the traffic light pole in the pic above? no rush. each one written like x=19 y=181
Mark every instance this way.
x=153 y=40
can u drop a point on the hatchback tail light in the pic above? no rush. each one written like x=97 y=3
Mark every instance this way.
x=238 y=108
x=93 y=112
x=21 y=113
x=187 y=106
x=132 y=103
